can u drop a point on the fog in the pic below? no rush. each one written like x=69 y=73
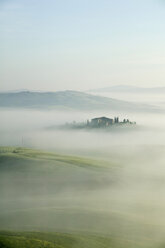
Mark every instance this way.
x=31 y=129
x=125 y=199
x=151 y=98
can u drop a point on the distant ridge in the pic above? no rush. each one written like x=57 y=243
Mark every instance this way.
x=74 y=100
x=131 y=89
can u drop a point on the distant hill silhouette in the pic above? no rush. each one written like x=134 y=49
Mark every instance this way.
x=66 y=100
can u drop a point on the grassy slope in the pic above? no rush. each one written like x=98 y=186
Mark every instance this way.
x=62 y=240
x=35 y=195
x=52 y=240
x=25 y=153
x=41 y=190
x=22 y=161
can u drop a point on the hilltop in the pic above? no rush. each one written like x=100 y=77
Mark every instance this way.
x=98 y=122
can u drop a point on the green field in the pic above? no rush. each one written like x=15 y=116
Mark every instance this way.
x=64 y=240
x=56 y=240
x=58 y=200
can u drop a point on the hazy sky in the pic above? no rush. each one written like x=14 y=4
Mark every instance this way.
x=81 y=44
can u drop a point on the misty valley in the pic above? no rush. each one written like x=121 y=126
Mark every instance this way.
x=61 y=187
x=82 y=124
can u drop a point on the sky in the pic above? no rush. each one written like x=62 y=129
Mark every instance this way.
x=52 y=45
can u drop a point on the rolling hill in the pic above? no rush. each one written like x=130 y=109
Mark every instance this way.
x=63 y=201
x=59 y=240
x=67 y=100
x=45 y=191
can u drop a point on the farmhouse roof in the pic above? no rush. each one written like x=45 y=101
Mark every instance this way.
x=102 y=118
